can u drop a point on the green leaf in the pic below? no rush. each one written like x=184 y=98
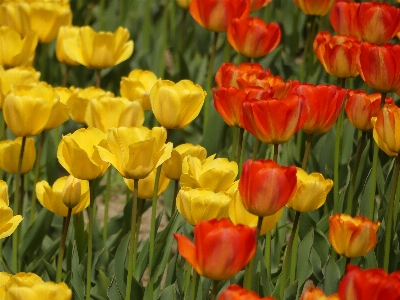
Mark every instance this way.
x=77 y=283
x=119 y=264
x=304 y=269
x=169 y=293
x=331 y=280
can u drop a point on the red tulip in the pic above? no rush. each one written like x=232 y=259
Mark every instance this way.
x=343 y=18
x=252 y=37
x=236 y=292
x=257 y=4
x=228 y=102
x=228 y=73
x=220 y=249
x=314 y=7
x=266 y=187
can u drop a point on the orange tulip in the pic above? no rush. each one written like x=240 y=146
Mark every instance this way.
x=387 y=127
x=313 y=293
x=274 y=121
x=236 y=292
x=314 y=7
x=379 y=66
x=337 y=54
x=323 y=104
x=216 y=15
x=257 y=4
x=352 y=237
x=252 y=37
x=343 y=18
x=255 y=186
x=220 y=249
x=228 y=73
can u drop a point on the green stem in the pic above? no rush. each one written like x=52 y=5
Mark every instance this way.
x=182 y=31
x=90 y=240
x=248 y=273
x=227 y=51
x=256 y=147
x=307 y=46
x=287 y=255
x=102 y=9
x=214 y=292
x=146 y=33
x=65 y=77
x=240 y=146
x=188 y=268
x=210 y=79
x=234 y=142
x=195 y=277
x=267 y=257
x=350 y=210
x=276 y=147
x=372 y=195
x=176 y=190
x=307 y=152
x=389 y=222
x=62 y=245
x=293 y=255
x=106 y=205
x=98 y=78
x=161 y=61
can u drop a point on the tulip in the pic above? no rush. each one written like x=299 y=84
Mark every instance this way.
x=361 y=107
x=255 y=186
x=371 y=284
x=4 y=192
x=45 y=290
x=313 y=293
x=252 y=37
x=274 y=121
x=379 y=66
x=176 y=105
x=343 y=18
x=9 y=155
x=146 y=185
x=79 y=156
x=236 y=292
x=22 y=104
x=14 y=50
x=258 y=4
x=337 y=54
x=228 y=73
x=312 y=190
x=220 y=249
x=15 y=14
x=352 y=237
x=136 y=151
x=66 y=192
x=228 y=103
x=172 y=167
x=197 y=205
x=216 y=175
x=64 y=33
x=8 y=222
x=106 y=112
x=137 y=86
x=381 y=144
x=216 y=15
x=17 y=75
x=323 y=104
x=315 y=7
x=99 y=50
x=64 y=94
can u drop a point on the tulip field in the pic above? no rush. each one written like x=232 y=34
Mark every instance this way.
x=199 y=149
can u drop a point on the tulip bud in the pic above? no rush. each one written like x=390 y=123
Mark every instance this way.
x=71 y=194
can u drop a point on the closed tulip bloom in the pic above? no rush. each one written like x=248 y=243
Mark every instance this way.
x=337 y=54
x=66 y=192
x=258 y=4
x=315 y=7
x=255 y=186
x=14 y=50
x=387 y=127
x=343 y=18
x=361 y=107
x=15 y=14
x=236 y=292
x=197 y=205
x=172 y=167
x=22 y=104
x=216 y=15
x=274 y=121
x=79 y=156
x=8 y=222
x=381 y=144
x=17 y=75
x=99 y=50
x=137 y=86
x=136 y=151
x=106 y=112
x=4 y=191
x=371 y=284
x=217 y=175
x=228 y=73
x=352 y=237
x=323 y=104
x=176 y=105
x=229 y=104
x=252 y=37
x=9 y=155
x=66 y=32
x=313 y=293
x=41 y=291
x=220 y=249
x=146 y=185
x=312 y=190
x=379 y=66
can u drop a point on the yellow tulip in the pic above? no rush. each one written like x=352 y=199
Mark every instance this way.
x=136 y=151
x=14 y=50
x=183 y=3
x=146 y=185
x=217 y=175
x=99 y=50
x=173 y=166
x=9 y=155
x=22 y=104
x=66 y=192
x=79 y=100
x=42 y=291
x=8 y=222
x=17 y=75
x=176 y=105
x=66 y=32
x=312 y=190
x=16 y=15
x=380 y=142
x=197 y=205
x=4 y=191
x=78 y=154
x=22 y=279
x=387 y=129
x=47 y=17
x=64 y=94
x=137 y=86
x=106 y=112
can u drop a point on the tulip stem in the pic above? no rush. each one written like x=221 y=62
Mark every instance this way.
x=176 y=189
x=106 y=205
x=256 y=146
x=65 y=77
x=234 y=142
x=389 y=223
x=209 y=79
x=161 y=61
x=307 y=46
x=240 y=146
x=267 y=258
x=37 y=169
x=15 y=236
x=98 y=78
x=132 y=254
x=62 y=245
x=195 y=276
x=147 y=26
x=372 y=199
x=90 y=240
x=214 y=292
x=276 y=147
x=288 y=255
x=307 y=152
x=350 y=201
